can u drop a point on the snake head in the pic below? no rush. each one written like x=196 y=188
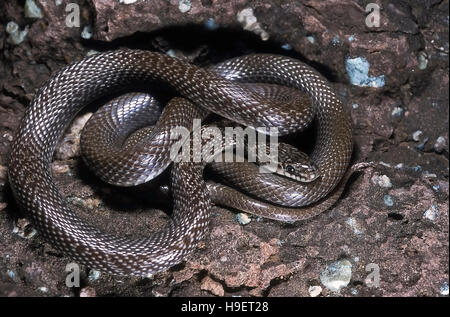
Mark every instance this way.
x=295 y=164
x=301 y=172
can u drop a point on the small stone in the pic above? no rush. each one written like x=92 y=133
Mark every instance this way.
x=336 y=275
x=92 y=52
x=383 y=181
x=358 y=71
x=397 y=112
x=210 y=24
x=355 y=106
x=215 y=288
x=311 y=39
x=32 y=10
x=431 y=213
x=93 y=275
x=184 y=6
x=15 y=35
x=243 y=219
x=43 y=289
x=87 y=292
x=87 y=32
x=314 y=291
x=416 y=135
x=351 y=38
x=439 y=145
x=249 y=22
x=423 y=60
x=127 y=1
x=444 y=289
x=388 y=200
x=286 y=47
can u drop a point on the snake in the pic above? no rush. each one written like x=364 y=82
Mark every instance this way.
x=227 y=90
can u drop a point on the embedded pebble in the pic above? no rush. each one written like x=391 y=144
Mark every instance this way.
x=286 y=47
x=127 y=1
x=444 y=289
x=358 y=72
x=15 y=35
x=382 y=181
x=87 y=32
x=423 y=60
x=311 y=39
x=92 y=52
x=184 y=6
x=355 y=106
x=43 y=289
x=416 y=135
x=243 y=219
x=87 y=292
x=351 y=38
x=397 y=111
x=314 y=291
x=32 y=10
x=336 y=275
x=431 y=213
x=249 y=22
x=439 y=145
x=388 y=201
x=93 y=275
x=210 y=24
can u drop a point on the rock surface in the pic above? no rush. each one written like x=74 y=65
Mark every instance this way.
x=393 y=217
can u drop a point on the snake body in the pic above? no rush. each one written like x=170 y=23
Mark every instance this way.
x=217 y=89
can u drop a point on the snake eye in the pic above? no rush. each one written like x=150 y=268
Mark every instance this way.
x=290 y=169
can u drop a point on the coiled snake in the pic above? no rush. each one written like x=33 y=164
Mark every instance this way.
x=218 y=90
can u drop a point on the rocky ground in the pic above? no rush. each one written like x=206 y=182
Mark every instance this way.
x=391 y=220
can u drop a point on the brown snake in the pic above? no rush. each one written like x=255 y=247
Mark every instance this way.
x=218 y=90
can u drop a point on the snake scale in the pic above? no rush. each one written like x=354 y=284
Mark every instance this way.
x=219 y=89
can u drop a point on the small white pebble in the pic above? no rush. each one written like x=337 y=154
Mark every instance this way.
x=431 y=213
x=416 y=135
x=243 y=219
x=31 y=10
x=184 y=6
x=87 y=32
x=444 y=289
x=315 y=290
x=336 y=275
x=397 y=111
x=439 y=145
x=383 y=181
